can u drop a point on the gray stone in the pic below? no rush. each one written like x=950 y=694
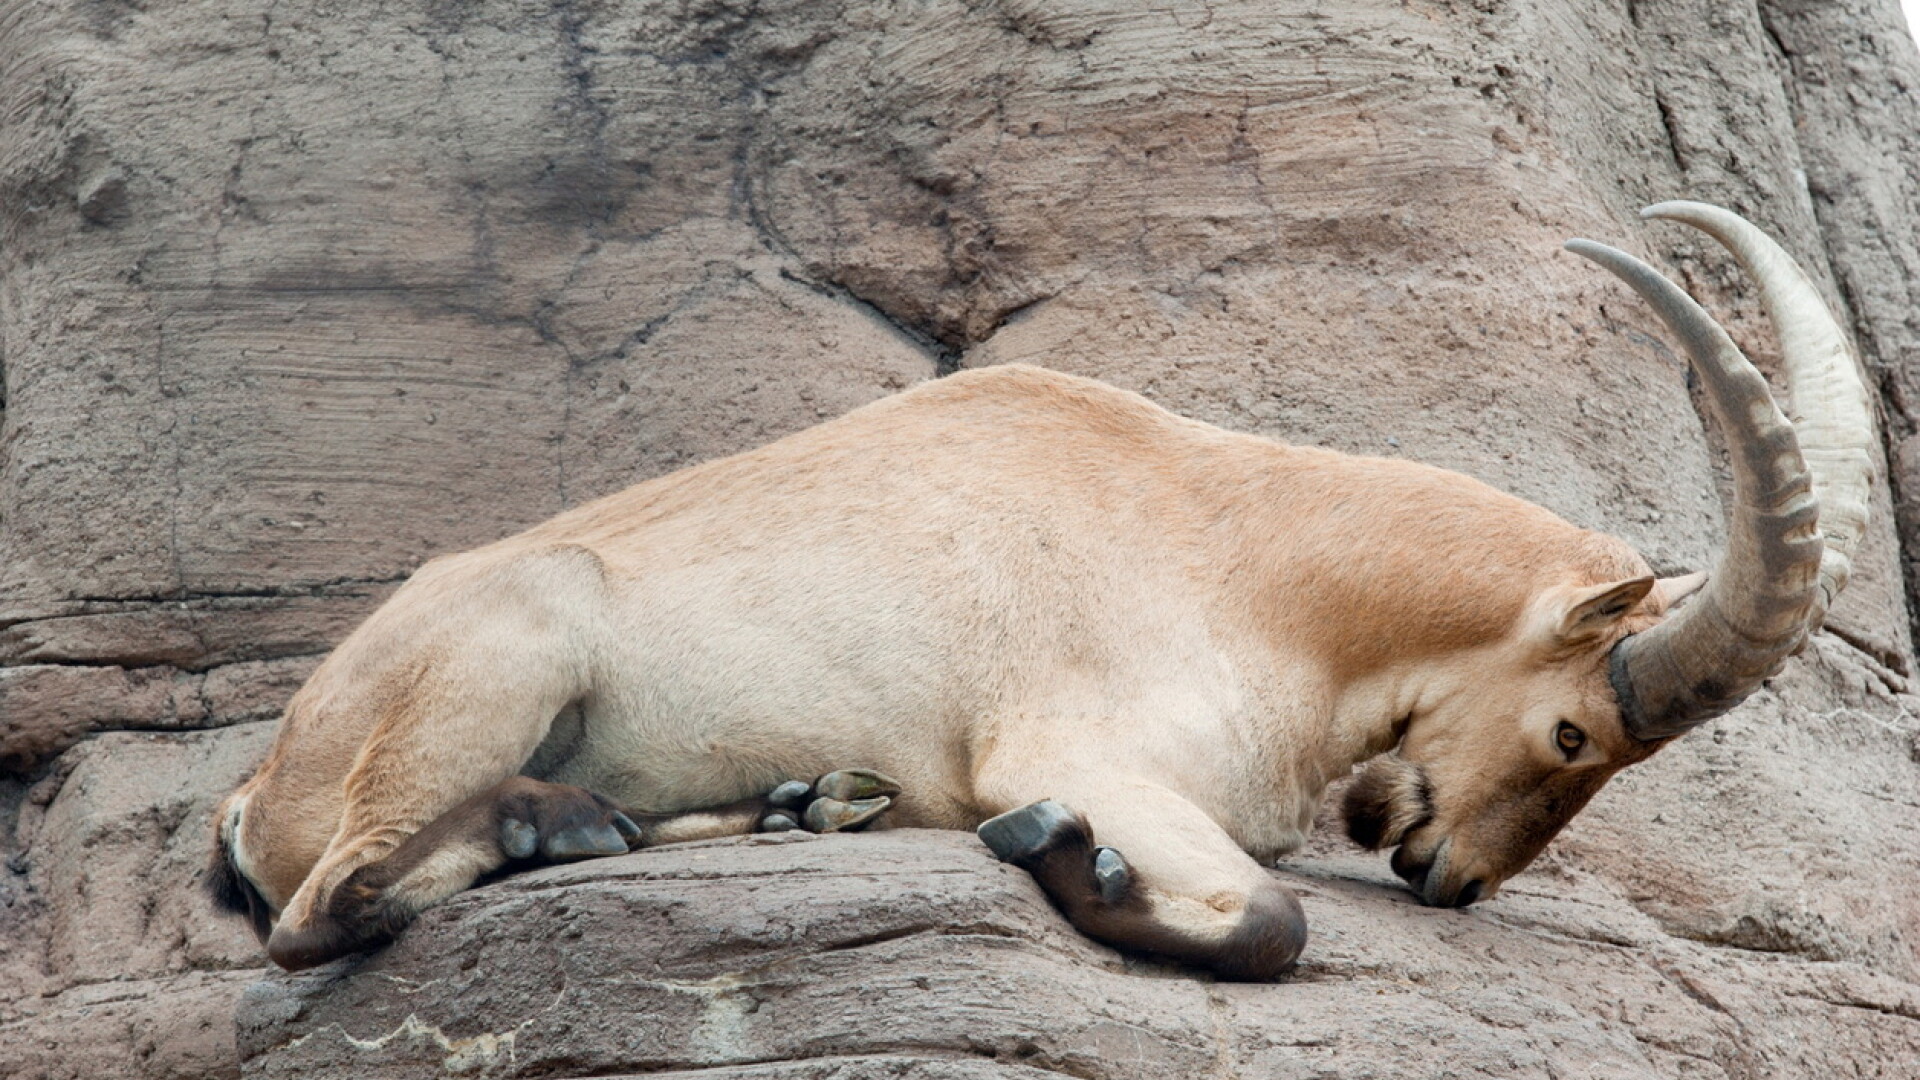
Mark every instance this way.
x=817 y=952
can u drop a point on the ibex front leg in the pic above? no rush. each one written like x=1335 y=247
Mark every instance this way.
x=1137 y=866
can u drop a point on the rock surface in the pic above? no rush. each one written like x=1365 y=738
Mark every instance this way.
x=915 y=954
x=294 y=298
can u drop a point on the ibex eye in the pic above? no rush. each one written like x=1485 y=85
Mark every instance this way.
x=1570 y=738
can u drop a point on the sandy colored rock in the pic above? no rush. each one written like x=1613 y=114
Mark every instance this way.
x=362 y=304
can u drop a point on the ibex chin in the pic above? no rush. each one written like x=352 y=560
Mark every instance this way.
x=1131 y=649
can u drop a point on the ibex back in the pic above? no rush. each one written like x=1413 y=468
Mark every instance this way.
x=1132 y=649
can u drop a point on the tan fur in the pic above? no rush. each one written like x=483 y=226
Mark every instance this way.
x=1003 y=586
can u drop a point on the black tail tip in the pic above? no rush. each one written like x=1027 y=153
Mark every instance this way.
x=233 y=894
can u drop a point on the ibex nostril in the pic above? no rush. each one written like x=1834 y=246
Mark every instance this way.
x=1469 y=893
x=1411 y=870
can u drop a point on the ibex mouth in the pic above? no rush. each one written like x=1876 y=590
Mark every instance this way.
x=1428 y=878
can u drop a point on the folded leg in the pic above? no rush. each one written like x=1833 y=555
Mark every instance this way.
x=1137 y=866
x=840 y=801
x=523 y=822
x=518 y=820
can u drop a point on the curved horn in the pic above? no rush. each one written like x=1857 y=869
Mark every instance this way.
x=1834 y=422
x=1753 y=612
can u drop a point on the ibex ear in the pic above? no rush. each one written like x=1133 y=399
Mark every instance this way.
x=1588 y=612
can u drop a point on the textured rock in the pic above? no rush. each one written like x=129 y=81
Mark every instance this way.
x=119 y=968
x=293 y=298
x=49 y=707
x=133 y=811
x=172 y=1028
x=916 y=952
x=365 y=304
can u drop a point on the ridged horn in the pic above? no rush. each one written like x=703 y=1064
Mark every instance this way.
x=1755 y=609
x=1833 y=418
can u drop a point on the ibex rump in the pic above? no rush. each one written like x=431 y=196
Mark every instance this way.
x=1132 y=649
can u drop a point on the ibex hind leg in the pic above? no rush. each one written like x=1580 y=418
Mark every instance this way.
x=519 y=822
x=844 y=800
x=522 y=822
x=456 y=683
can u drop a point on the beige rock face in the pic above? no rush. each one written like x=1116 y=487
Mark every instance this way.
x=295 y=296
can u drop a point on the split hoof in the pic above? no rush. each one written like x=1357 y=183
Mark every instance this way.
x=792 y=795
x=1024 y=836
x=1112 y=874
x=840 y=801
x=520 y=840
x=557 y=823
x=835 y=815
x=778 y=821
x=855 y=785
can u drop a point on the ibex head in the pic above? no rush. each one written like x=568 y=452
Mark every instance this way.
x=1603 y=669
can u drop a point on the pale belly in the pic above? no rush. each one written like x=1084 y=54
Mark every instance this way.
x=661 y=765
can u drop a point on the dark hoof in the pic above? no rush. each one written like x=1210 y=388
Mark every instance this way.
x=778 y=821
x=518 y=839
x=840 y=801
x=792 y=795
x=583 y=842
x=834 y=815
x=558 y=823
x=521 y=841
x=1112 y=873
x=629 y=830
x=855 y=785
x=1023 y=836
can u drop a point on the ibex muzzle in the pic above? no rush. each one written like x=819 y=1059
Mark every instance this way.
x=1131 y=649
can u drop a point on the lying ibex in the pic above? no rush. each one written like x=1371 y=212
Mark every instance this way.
x=1052 y=610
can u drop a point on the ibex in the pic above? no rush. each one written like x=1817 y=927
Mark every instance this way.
x=1132 y=649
